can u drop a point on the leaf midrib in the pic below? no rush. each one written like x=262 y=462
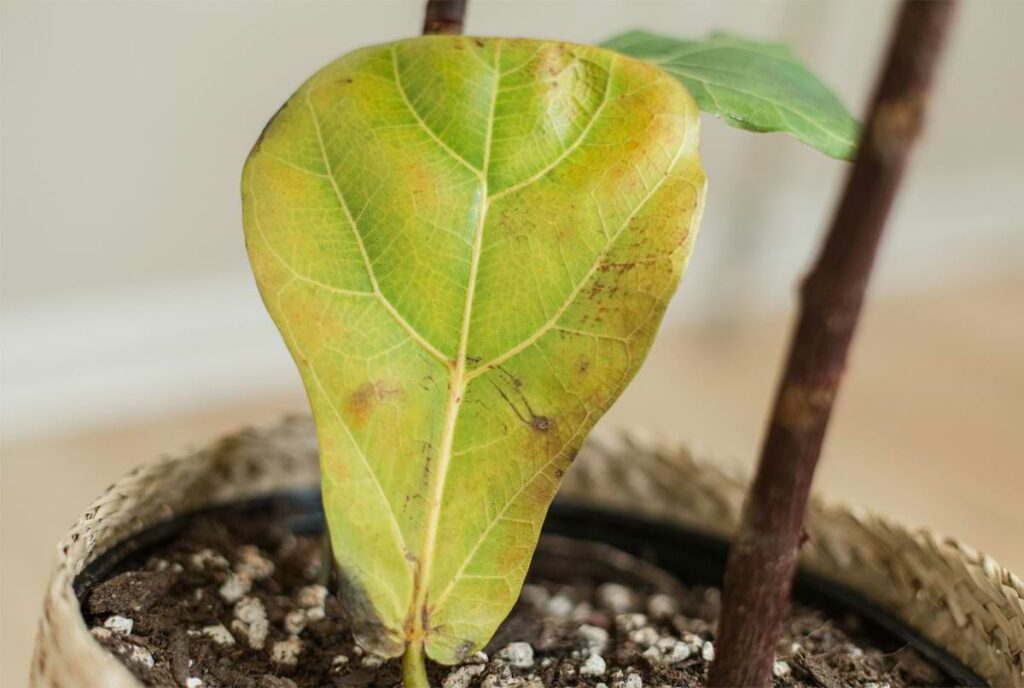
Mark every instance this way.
x=456 y=385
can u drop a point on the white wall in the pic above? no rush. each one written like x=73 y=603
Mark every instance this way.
x=124 y=287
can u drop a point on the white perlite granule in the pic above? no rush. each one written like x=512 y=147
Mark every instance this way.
x=595 y=637
x=251 y=621
x=680 y=652
x=519 y=655
x=594 y=666
x=780 y=669
x=630 y=622
x=140 y=655
x=235 y=588
x=121 y=625
x=661 y=606
x=295 y=621
x=559 y=606
x=207 y=557
x=616 y=598
x=219 y=634
x=252 y=564
x=312 y=596
x=644 y=637
x=463 y=676
x=286 y=652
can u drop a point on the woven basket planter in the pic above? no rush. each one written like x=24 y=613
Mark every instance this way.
x=954 y=597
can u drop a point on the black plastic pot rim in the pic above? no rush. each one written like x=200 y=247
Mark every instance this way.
x=694 y=557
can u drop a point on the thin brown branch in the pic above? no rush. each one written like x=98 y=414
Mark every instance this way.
x=764 y=555
x=444 y=17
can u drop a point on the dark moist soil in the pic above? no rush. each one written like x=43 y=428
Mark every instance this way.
x=234 y=601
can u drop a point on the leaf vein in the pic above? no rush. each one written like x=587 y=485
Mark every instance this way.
x=605 y=98
x=388 y=306
x=420 y=121
x=348 y=433
x=500 y=516
x=288 y=266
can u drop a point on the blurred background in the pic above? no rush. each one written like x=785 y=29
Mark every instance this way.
x=131 y=327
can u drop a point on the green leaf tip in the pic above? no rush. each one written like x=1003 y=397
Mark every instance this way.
x=467 y=245
x=751 y=85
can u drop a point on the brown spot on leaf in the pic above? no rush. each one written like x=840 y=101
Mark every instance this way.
x=368 y=396
x=617 y=267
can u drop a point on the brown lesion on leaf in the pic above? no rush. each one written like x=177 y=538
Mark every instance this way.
x=530 y=418
x=619 y=268
x=368 y=396
x=428 y=455
x=466 y=648
x=425 y=617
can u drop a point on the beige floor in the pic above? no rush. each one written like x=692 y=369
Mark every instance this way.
x=929 y=429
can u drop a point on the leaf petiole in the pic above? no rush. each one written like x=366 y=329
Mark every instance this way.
x=414 y=668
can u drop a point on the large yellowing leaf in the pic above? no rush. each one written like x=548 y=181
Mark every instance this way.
x=467 y=245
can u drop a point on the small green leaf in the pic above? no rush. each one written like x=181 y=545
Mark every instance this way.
x=751 y=85
x=467 y=245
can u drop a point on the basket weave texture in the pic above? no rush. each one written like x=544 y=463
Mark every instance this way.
x=952 y=595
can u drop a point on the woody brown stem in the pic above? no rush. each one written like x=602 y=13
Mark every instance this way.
x=763 y=559
x=444 y=17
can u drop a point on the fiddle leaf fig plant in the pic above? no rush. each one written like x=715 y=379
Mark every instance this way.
x=467 y=245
